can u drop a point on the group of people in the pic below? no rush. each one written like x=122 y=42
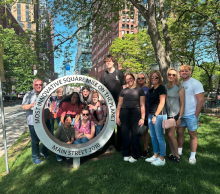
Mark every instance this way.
x=139 y=102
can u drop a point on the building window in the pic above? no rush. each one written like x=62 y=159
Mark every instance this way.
x=20 y=23
x=132 y=20
x=132 y=8
x=123 y=19
x=19 y=18
x=18 y=6
x=27 y=6
x=127 y=32
x=132 y=27
x=127 y=26
x=27 y=16
x=127 y=13
x=123 y=12
x=29 y=25
x=128 y=19
x=132 y=32
x=122 y=32
x=123 y=26
x=18 y=12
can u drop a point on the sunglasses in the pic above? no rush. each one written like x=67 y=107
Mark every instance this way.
x=86 y=115
x=141 y=78
x=155 y=78
x=174 y=75
x=38 y=84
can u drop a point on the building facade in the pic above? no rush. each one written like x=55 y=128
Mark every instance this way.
x=126 y=25
x=83 y=59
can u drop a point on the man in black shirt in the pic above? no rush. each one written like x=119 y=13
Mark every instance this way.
x=113 y=79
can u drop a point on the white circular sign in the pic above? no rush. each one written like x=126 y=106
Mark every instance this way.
x=74 y=150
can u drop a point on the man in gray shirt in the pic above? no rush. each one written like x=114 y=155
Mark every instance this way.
x=28 y=105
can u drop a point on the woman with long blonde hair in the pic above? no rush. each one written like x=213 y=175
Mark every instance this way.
x=175 y=108
x=141 y=81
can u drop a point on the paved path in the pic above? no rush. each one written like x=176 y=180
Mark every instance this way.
x=16 y=124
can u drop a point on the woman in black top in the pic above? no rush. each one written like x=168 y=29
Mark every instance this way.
x=130 y=115
x=157 y=96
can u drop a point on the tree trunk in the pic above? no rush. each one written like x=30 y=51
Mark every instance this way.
x=150 y=16
x=218 y=46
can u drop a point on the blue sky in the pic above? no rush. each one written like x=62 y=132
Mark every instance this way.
x=58 y=62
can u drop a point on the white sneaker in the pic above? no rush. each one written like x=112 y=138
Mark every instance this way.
x=192 y=160
x=126 y=159
x=151 y=159
x=159 y=162
x=132 y=160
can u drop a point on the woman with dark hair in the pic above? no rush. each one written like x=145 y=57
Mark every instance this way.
x=85 y=95
x=97 y=113
x=70 y=105
x=130 y=115
x=84 y=129
x=157 y=113
x=65 y=133
x=141 y=81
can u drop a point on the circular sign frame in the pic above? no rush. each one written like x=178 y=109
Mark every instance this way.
x=73 y=150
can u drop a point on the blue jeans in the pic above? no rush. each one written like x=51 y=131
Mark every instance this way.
x=82 y=140
x=98 y=129
x=52 y=123
x=35 y=144
x=156 y=134
x=73 y=122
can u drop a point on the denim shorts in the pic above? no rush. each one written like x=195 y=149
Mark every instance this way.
x=191 y=122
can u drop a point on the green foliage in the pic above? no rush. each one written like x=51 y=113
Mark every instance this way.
x=201 y=76
x=134 y=52
x=19 y=59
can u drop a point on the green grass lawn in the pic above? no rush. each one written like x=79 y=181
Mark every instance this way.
x=110 y=174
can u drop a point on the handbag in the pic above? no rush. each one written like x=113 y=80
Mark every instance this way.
x=166 y=124
x=141 y=130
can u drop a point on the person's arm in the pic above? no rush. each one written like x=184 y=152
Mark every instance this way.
x=71 y=141
x=57 y=133
x=28 y=106
x=142 y=105
x=182 y=103
x=200 y=102
x=160 y=107
x=120 y=102
x=104 y=115
x=77 y=117
x=62 y=120
x=90 y=136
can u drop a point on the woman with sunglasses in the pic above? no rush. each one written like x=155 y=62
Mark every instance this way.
x=86 y=131
x=175 y=108
x=157 y=113
x=65 y=133
x=130 y=115
x=70 y=105
x=97 y=113
x=141 y=81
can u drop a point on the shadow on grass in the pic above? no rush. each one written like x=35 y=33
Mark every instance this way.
x=113 y=175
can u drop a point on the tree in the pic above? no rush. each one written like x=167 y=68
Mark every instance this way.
x=19 y=59
x=134 y=52
x=102 y=13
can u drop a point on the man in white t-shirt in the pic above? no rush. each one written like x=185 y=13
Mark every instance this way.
x=194 y=99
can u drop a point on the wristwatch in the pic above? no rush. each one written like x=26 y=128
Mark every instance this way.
x=142 y=118
x=180 y=118
x=155 y=116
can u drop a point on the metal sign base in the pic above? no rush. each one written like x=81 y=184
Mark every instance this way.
x=76 y=162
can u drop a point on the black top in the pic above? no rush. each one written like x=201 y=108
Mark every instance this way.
x=154 y=98
x=131 y=97
x=112 y=83
x=95 y=115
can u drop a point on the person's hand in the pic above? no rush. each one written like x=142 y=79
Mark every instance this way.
x=118 y=121
x=101 y=123
x=197 y=116
x=154 y=120
x=32 y=104
x=78 y=136
x=77 y=117
x=68 y=142
x=178 y=123
x=141 y=122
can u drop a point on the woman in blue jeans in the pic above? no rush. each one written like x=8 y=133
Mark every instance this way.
x=84 y=129
x=157 y=113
